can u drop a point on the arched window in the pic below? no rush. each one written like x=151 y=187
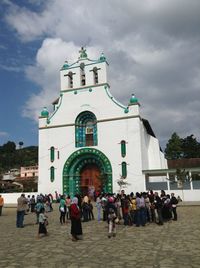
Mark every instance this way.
x=95 y=73
x=123 y=148
x=70 y=80
x=82 y=72
x=52 y=173
x=86 y=129
x=124 y=169
x=52 y=153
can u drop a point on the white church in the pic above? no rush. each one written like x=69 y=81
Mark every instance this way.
x=91 y=142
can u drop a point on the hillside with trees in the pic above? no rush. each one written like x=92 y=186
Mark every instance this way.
x=11 y=157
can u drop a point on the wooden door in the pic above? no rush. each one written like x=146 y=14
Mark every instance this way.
x=90 y=181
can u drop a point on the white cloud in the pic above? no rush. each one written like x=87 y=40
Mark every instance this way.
x=49 y=60
x=152 y=47
x=10 y=68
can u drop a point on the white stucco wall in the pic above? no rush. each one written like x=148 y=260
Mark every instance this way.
x=120 y=126
x=154 y=154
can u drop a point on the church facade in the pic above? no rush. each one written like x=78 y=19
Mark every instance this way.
x=91 y=142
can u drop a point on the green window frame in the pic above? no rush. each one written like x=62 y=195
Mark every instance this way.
x=52 y=173
x=124 y=169
x=123 y=148
x=52 y=153
x=86 y=130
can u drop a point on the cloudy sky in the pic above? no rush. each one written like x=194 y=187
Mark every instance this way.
x=152 y=46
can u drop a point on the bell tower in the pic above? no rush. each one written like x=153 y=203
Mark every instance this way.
x=84 y=72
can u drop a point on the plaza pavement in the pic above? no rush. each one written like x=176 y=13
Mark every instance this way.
x=175 y=244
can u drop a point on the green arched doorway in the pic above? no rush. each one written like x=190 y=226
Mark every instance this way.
x=87 y=161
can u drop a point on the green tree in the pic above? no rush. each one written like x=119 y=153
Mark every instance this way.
x=27 y=156
x=7 y=155
x=9 y=147
x=190 y=147
x=174 y=147
x=12 y=158
x=177 y=147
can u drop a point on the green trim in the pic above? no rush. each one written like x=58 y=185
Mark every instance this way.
x=98 y=121
x=81 y=124
x=126 y=110
x=113 y=99
x=124 y=170
x=123 y=148
x=52 y=154
x=74 y=164
x=84 y=87
x=119 y=118
x=87 y=64
x=52 y=174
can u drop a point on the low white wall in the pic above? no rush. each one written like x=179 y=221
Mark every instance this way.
x=186 y=195
x=11 y=198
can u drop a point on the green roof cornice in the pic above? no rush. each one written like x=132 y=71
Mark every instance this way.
x=83 y=56
x=113 y=99
x=71 y=66
x=84 y=87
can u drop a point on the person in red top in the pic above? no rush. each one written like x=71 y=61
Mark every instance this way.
x=75 y=216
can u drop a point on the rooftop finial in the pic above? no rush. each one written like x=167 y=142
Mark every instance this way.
x=133 y=99
x=83 y=54
x=102 y=57
x=65 y=65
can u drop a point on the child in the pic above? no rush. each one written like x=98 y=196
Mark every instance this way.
x=68 y=203
x=42 y=223
x=112 y=216
x=111 y=223
x=39 y=205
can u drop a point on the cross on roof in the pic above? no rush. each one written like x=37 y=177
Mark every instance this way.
x=83 y=53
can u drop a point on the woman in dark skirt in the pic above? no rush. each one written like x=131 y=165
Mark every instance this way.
x=75 y=216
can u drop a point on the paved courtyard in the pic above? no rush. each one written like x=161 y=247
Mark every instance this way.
x=176 y=244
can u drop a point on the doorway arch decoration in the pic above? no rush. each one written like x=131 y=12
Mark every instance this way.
x=74 y=164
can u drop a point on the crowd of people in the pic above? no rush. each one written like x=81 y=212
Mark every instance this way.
x=38 y=205
x=128 y=209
